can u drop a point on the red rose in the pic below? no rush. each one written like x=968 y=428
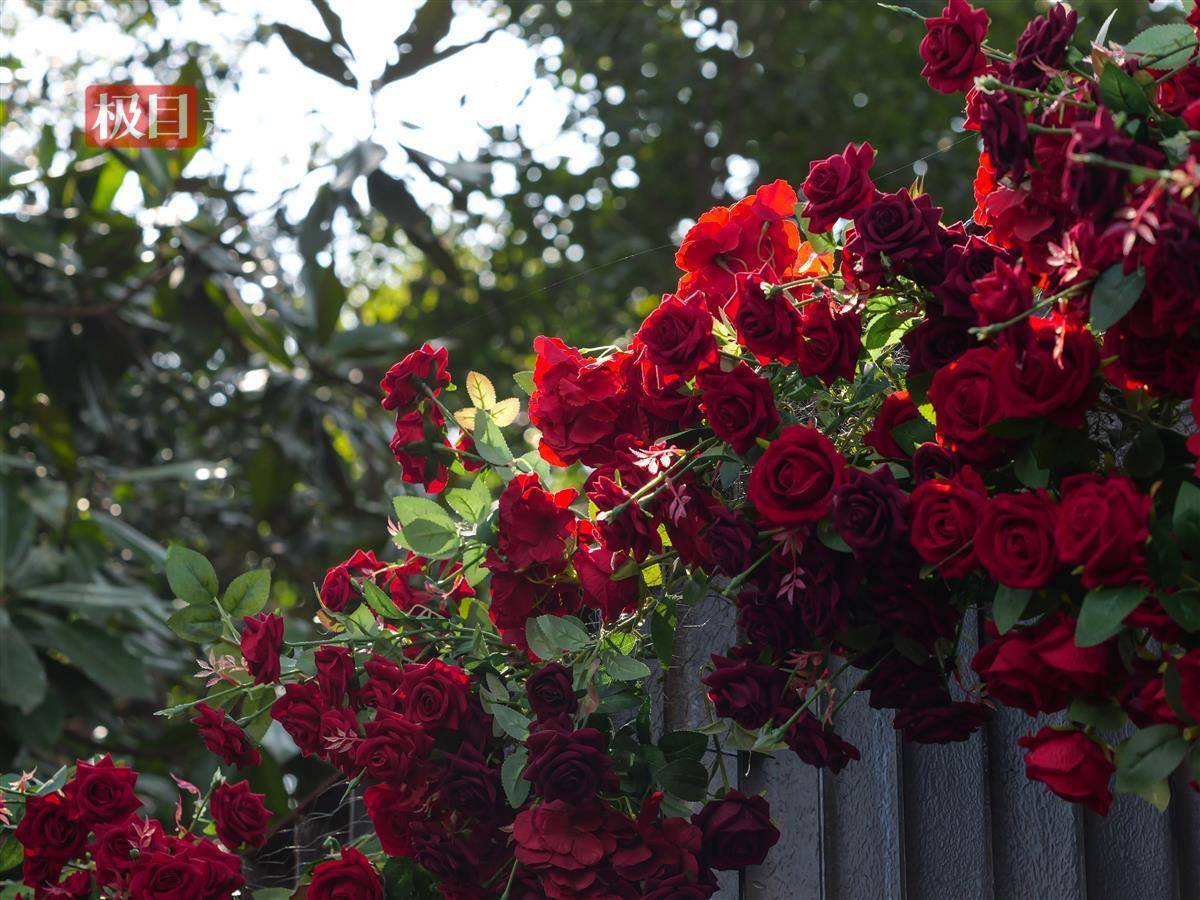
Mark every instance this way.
x=607 y=583
x=1004 y=128
x=1103 y=524
x=769 y=327
x=737 y=831
x=705 y=247
x=350 y=878
x=77 y=886
x=114 y=845
x=469 y=784
x=403 y=384
x=1188 y=667
x=739 y=405
x=340 y=737
x=896 y=410
x=299 y=712
x=534 y=524
x=576 y=403
x=393 y=807
x=746 y=692
x=1042 y=46
x=413 y=444
x=224 y=737
x=566 y=845
x=569 y=766
x=931 y=461
x=50 y=830
x=158 y=875
x=1002 y=294
x=945 y=513
x=262 y=638
x=966 y=264
x=338 y=590
x=1048 y=374
x=898 y=227
x=816 y=743
x=222 y=872
x=965 y=402
x=435 y=694
x=870 y=511
x=1072 y=765
x=1095 y=191
x=631 y=529
x=953 y=47
x=936 y=342
x=838 y=187
x=393 y=747
x=793 y=483
x=241 y=816
x=829 y=341
x=103 y=792
x=1015 y=539
x=677 y=339
x=551 y=691
x=335 y=673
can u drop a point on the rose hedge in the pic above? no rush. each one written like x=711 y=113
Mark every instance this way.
x=855 y=423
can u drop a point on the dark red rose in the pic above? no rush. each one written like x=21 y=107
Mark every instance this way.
x=1103 y=524
x=1003 y=294
x=746 y=692
x=435 y=694
x=793 y=483
x=937 y=342
x=393 y=808
x=49 y=829
x=114 y=845
x=1004 y=129
x=77 y=886
x=953 y=47
x=609 y=583
x=551 y=692
x=262 y=638
x=870 y=511
x=830 y=341
x=1039 y=668
x=569 y=766
x=567 y=845
x=403 y=384
x=448 y=857
x=766 y=622
x=679 y=887
x=769 y=327
x=739 y=405
x=838 y=187
x=1188 y=667
x=240 y=815
x=1048 y=374
x=945 y=513
x=631 y=529
x=1015 y=539
x=965 y=264
x=931 y=717
x=816 y=744
x=1042 y=46
x=932 y=461
x=732 y=541
x=663 y=848
x=737 y=831
x=222 y=871
x=350 y=878
x=677 y=339
x=965 y=403
x=1163 y=364
x=393 y=748
x=1144 y=697
x=299 y=712
x=224 y=737
x=1095 y=191
x=577 y=403
x=896 y=410
x=341 y=735
x=820 y=586
x=469 y=784
x=335 y=673
x=158 y=875
x=898 y=227
x=1072 y=765
x=534 y=523
x=102 y=792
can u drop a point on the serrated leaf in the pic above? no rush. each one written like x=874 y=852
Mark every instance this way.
x=1164 y=46
x=1009 y=606
x=1106 y=715
x=625 y=668
x=425 y=528
x=1183 y=607
x=480 y=391
x=524 y=380
x=1150 y=755
x=1103 y=612
x=190 y=575
x=247 y=594
x=197 y=624
x=471 y=503
x=516 y=788
x=1113 y=295
x=465 y=418
x=380 y=601
x=1121 y=93
x=687 y=779
x=511 y=722
x=489 y=440
x=505 y=412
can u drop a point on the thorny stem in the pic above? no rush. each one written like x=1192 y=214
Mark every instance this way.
x=986 y=331
x=994 y=84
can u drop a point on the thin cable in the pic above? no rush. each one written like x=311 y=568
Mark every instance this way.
x=930 y=156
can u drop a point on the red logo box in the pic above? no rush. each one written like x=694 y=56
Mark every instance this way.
x=141 y=115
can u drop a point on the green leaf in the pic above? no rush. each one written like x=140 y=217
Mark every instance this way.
x=1183 y=607
x=1150 y=755
x=315 y=53
x=425 y=528
x=516 y=788
x=190 y=575
x=1106 y=715
x=1121 y=93
x=96 y=596
x=198 y=624
x=828 y=536
x=22 y=678
x=625 y=668
x=1113 y=295
x=379 y=600
x=662 y=633
x=1164 y=46
x=11 y=853
x=247 y=594
x=563 y=633
x=511 y=722
x=127 y=536
x=687 y=779
x=1186 y=517
x=16 y=530
x=524 y=380
x=1103 y=611
x=489 y=440
x=908 y=435
x=683 y=745
x=1027 y=470
x=1009 y=606
x=538 y=642
x=471 y=503
x=102 y=658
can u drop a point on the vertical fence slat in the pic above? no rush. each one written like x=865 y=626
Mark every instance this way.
x=1129 y=853
x=1185 y=825
x=793 y=868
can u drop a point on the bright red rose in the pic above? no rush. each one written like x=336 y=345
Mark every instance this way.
x=436 y=695
x=413 y=444
x=350 y=878
x=103 y=792
x=1103 y=524
x=335 y=673
x=403 y=385
x=793 y=483
x=965 y=402
x=337 y=590
x=551 y=691
x=393 y=807
x=393 y=748
x=945 y=514
x=896 y=410
x=1049 y=374
x=739 y=405
x=262 y=638
x=1002 y=294
x=50 y=830
x=241 y=816
x=632 y=529
x=1071 y=765
x=158 y=875
x=769 y=327
x=953 y=47
x=830 y=341
x=746 y=692
x=608 y=584
x=705 y=249
x=1188 y=667
x=535 y=525
x=299 y=712
x=577 y=403
x=1015 y=539
x=224 y=737
x=677 y=340
x=737 y=831
x=114 y=845
x=838 y=187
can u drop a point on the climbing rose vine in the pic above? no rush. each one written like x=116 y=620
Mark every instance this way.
x=949 y=467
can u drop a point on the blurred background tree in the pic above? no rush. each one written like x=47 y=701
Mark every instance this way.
x=184 y=360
